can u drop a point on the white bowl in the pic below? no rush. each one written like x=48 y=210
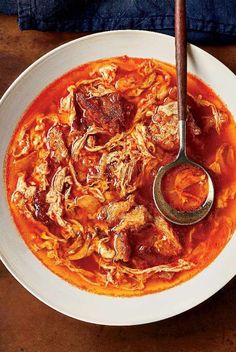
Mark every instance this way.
x=19 y=260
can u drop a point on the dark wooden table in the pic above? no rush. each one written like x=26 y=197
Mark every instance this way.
x=27 y=325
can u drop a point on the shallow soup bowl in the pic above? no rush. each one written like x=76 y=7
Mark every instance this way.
x=24 y=266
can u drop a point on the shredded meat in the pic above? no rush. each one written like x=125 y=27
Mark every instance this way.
x=67 y=105
x=111 y=111
x=213 y=117
x=79 y=142
x=133 y=220
x=224 y=159
x=166 y=242
x=84 y=251
x=122 y=247
x=21 y=187
x=104 y=250
x=226 y=195
x=164 y=126
x=23 y=195
x=56 y=144
x=114 y=211
x=54 y=197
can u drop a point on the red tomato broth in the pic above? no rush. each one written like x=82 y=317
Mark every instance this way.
x=207 y=240
x=185 y=187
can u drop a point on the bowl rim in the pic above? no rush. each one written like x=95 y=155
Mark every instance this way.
x=184 y=306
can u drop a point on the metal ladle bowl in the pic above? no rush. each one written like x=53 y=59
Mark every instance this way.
x=170 y=213
x=173 y=215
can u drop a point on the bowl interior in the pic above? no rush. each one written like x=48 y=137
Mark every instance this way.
x=26 y=268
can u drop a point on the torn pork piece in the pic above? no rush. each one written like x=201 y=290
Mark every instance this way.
x=114 y=211
x=164 y=126
x=56 y=144
x=122 y=247
x=166 y=241
x=133 y=220
x=112 y=112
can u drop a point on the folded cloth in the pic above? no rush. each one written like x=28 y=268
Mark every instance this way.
x=8 y=7
x=207 y=20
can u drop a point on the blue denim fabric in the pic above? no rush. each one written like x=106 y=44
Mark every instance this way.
x=208 y=20
x=8 y=7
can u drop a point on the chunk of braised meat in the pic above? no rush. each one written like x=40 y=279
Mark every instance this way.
x=164 y=126
x=166 y=241
x=121 y=247
x=41 y=208
x=134 y=219
x=146 y=258
x=112 y=112
x=144 y=254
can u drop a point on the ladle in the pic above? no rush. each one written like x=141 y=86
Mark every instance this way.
x=173 y=215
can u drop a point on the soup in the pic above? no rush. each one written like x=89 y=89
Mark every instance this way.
x=80 y=170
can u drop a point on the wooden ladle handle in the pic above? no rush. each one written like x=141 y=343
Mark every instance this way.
x=181 y=56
